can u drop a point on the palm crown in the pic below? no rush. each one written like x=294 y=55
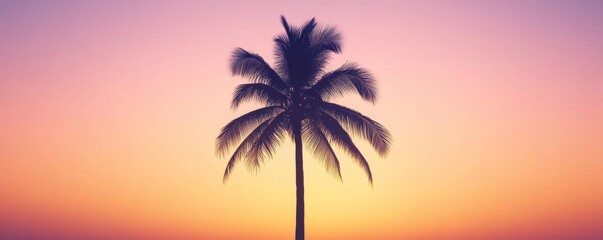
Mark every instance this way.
x=296 y=95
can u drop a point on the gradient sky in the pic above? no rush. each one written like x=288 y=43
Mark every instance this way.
x=109 y=111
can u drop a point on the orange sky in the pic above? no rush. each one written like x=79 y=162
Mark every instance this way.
x=109 y=111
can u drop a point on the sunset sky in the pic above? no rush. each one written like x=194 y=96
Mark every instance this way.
x=109 y=111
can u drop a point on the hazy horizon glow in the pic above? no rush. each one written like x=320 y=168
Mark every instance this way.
x=109 y=111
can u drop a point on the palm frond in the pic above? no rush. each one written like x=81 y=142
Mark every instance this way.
x=280 y=52
x=265 y=144
x=321 y=147
x=348 y=77
x=353 y=121
x=244 y=147
x=237 y=128
x=326 y=39
x=255 y=138
x=336 y=134
x=306 y=31
x=323 y=42
x=296 y=60
x=291 y=32
x=285 y=25
x=253 y=66
x=257 y=91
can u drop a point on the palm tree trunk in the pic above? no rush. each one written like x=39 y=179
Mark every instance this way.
x=299 y=181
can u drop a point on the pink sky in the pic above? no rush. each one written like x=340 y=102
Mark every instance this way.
x=109 y=111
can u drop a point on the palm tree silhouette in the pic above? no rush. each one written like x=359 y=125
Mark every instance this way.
x=295 y=95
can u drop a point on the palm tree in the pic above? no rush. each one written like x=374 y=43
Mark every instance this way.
x=296 y=95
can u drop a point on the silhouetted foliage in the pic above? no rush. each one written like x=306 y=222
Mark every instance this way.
x=295 y=94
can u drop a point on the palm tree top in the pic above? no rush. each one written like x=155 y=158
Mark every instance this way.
x=296 y=95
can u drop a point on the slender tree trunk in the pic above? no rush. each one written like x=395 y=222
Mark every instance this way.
x=299 y=181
